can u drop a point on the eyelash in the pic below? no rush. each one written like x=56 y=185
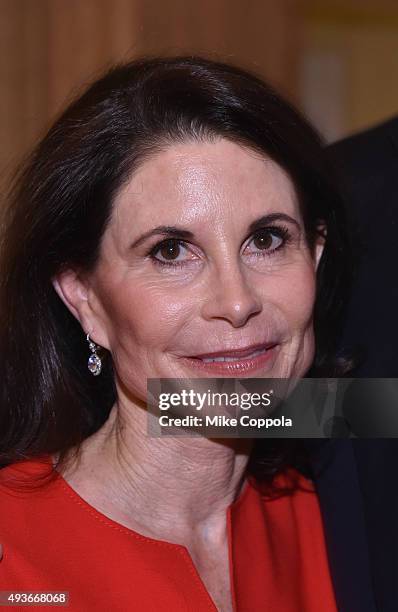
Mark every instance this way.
x=280 y=231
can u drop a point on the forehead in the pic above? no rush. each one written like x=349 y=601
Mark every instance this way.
x=205 y=182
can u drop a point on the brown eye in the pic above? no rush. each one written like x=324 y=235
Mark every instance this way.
x=263 y=240
x=170 y=249
x=269 y=240
x=172 y=253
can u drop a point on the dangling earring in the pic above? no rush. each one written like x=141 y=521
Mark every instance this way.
x=94 y=361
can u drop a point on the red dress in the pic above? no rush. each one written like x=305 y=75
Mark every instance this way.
x=55 y=541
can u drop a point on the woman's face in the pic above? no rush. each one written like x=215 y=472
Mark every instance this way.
x=205 y=253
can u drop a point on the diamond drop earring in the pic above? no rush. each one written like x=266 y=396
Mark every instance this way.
x=94 y=363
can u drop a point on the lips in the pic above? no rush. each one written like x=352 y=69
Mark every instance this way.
x=238 y=353
x=247 y=361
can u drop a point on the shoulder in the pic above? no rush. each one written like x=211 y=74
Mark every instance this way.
x=290 y=484
x=366 y=169
x=367 y=146
x=24 y=488
x=366 y=164
x=26 y=474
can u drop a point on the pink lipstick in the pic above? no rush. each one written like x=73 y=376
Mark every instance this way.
x=234 y=362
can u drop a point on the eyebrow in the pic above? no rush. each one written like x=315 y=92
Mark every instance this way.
x=164 y=230
x=271 y=218
x=179 y=232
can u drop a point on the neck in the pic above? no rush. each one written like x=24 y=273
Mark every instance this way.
x=153 y=483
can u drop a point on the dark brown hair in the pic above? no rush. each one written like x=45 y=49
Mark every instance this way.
x=61 y=202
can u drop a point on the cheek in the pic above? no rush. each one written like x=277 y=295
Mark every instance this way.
x=294 y=295
x=143 y=315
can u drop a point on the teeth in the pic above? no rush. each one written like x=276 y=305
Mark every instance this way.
x=254 y=354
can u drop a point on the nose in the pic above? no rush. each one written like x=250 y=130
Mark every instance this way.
x=231 y=297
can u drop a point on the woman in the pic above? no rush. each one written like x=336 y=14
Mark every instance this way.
x=179 y=212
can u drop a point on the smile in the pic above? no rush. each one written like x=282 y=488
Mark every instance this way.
x=235 y=362
x=218 y=359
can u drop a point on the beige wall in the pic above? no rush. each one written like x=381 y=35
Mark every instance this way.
x=51 y=48
x=338 y=59
x=349 y=64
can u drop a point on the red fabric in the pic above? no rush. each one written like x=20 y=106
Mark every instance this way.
x=54 y=541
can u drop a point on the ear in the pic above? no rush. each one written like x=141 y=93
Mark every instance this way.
x=74 y=293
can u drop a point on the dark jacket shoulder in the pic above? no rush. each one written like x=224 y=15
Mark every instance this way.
x=372 y=148
x=366 y=167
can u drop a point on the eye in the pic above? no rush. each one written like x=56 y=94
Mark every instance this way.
x=268 y=240
x=169 y=252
